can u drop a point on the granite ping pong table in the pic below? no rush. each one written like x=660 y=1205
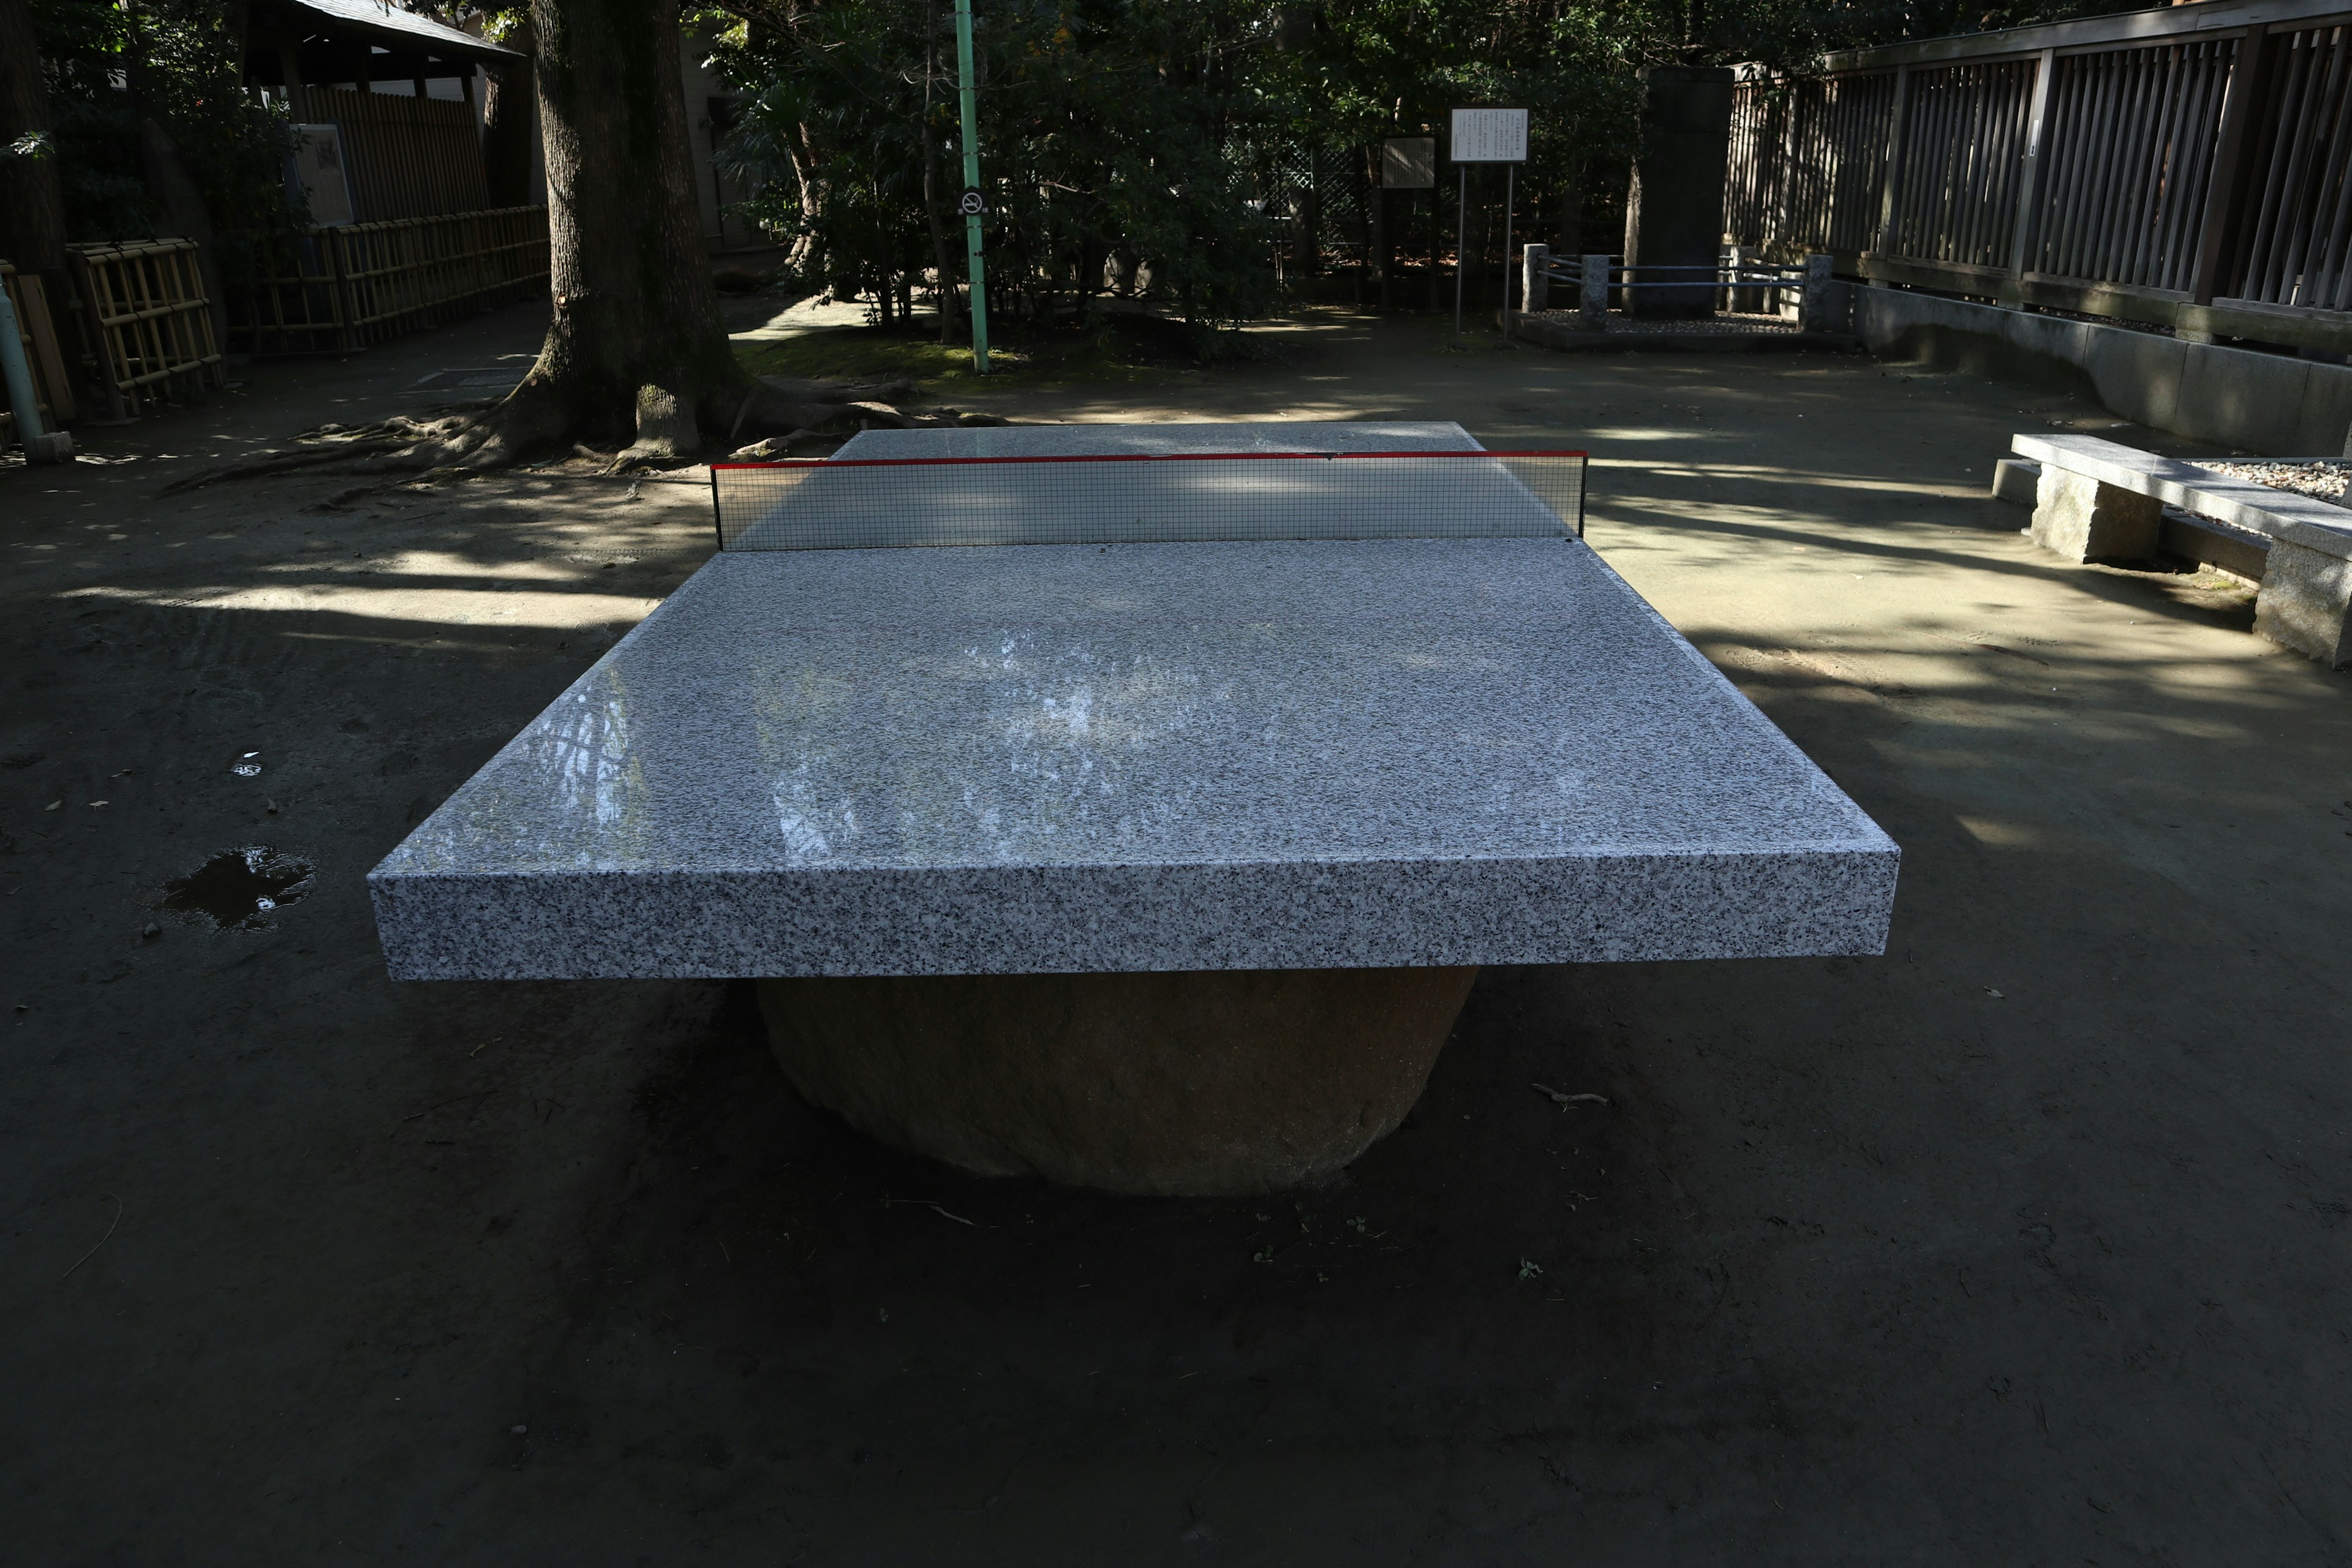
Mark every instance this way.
x=1149 y=865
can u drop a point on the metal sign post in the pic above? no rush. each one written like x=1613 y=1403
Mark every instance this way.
x=970 y=205
x=1486 y=136
x=1460 y=239
x=1511 y=194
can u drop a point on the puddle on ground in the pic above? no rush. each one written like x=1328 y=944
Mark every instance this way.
x=238 y=889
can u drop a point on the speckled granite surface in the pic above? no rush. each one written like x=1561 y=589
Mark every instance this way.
x=1127 y=757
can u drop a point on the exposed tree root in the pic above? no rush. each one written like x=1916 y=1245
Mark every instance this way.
x=285 y=462
x=777 y=415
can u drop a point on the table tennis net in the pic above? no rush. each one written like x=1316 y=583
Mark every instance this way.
x=879 y=503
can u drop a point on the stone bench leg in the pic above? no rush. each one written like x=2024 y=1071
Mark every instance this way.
x=2084 y=520
x=2306 y=603
x=1221 y=1081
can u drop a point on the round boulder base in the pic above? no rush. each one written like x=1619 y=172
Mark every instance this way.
x=1198 y=1082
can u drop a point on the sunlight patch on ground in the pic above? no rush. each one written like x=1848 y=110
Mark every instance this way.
x=444 y=563
x=438 y=606
x=1682 y=470
x=1644 y=433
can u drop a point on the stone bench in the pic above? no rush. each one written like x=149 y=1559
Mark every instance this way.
x=2101 y=500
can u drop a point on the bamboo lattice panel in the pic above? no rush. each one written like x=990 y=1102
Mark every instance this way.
x=148 y=321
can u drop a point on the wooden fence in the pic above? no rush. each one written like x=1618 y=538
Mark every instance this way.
x=2188 y=167
x=406 y=157
x=326 y=290
x=53 y=383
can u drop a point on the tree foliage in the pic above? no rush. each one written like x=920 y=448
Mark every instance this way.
x=1131 y=144
x=1110 y=129
x=175 y=61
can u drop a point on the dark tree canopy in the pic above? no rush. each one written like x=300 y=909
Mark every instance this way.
x=1128 y=143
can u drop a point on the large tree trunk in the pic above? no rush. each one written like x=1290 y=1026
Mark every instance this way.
x=181 y=213
x=805 y=257
x=636 y=350
x=32 y=210
x=636 y=345
x=946 y=292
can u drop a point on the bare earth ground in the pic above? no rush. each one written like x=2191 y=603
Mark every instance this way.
x=2026 y=1243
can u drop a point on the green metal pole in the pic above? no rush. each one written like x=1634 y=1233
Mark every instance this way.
x=969 y=102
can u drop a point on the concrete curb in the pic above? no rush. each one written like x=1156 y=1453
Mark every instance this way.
x=1553 y=335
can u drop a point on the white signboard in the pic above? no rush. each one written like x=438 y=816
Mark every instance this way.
x=1490 y=135
x=1409 y=164
x=318 y=168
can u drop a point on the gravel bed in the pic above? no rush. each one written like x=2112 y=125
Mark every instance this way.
x=2321 y=478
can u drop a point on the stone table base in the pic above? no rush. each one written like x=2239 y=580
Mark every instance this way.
x=1223 y=1082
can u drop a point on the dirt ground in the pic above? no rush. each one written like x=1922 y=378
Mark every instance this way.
x=2027 y=1243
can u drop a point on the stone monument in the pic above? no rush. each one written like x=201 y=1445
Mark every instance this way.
x=1674 y=209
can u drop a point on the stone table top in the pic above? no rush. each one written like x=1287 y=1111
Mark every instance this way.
x=1167 y=757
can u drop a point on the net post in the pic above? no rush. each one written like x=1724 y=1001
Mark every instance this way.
x=718 y=528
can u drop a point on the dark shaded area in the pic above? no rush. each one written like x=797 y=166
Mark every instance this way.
x=236 y=889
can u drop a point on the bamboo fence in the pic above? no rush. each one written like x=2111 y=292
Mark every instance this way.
x=334 y=290
x=408 y=157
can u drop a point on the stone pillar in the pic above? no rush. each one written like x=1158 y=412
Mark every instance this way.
x=1813 y=297
x=1593 y=297
x=1535 y=279
x=2084 y=520
x=1744 y=300
x=1674 y=210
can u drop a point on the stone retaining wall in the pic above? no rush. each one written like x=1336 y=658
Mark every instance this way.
x=2255 y=401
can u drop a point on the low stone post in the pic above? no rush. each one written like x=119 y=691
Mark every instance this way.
x=1535 y=279
x=1593 y=300
x=1740 y=297
x=1813 y=297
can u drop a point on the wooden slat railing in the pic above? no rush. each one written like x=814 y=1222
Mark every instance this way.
x=2190 y=167
x=37 y=330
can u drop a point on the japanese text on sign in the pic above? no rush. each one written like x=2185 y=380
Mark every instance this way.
x=1490 y=136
